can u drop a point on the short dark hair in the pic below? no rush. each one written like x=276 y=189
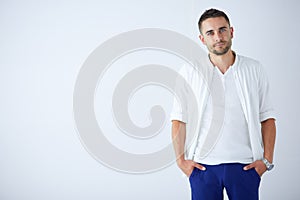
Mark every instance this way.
x=212 y=13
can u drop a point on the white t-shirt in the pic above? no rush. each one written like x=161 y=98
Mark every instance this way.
x=233 y=144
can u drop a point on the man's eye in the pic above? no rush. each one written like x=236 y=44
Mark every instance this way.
x=209 y=33
x=222 y=30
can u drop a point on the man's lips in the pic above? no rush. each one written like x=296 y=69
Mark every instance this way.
x=219 y=44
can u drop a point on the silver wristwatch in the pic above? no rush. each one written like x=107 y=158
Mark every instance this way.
x=269 y=165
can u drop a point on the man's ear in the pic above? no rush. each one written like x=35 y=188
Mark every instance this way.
x=202 y=38
x=231 y=32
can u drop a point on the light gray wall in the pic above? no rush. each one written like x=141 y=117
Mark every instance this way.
x=43 y=45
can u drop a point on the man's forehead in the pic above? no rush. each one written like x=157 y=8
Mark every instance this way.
x=214 y=23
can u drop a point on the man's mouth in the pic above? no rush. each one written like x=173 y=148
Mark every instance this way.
x=219 y=44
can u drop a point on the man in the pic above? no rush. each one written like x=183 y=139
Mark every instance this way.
x=243 y=149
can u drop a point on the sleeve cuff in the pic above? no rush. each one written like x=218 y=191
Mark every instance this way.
x=179 y=117
x=267 y=115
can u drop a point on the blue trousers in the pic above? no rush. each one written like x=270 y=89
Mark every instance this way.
x=239 y=184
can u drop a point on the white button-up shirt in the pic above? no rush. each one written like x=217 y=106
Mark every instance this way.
x=254 y=95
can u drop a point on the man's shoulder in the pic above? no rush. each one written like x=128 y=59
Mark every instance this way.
x=244 y=60
x=248 y=64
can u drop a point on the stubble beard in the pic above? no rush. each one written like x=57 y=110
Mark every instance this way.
x=223 y=51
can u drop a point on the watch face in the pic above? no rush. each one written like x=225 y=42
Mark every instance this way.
x=268 y=164
x=270 y=167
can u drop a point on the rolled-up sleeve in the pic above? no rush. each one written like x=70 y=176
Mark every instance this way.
x=266 y=109
x=179 y=109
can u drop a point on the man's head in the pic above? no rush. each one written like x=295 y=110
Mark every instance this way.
x=212 y=13
x=215 y=31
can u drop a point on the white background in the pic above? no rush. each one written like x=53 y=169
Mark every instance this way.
x=42 y=47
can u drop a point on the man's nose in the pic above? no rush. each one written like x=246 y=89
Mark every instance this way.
x=218 y=36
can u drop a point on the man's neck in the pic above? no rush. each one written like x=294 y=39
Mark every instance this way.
x=223 y=62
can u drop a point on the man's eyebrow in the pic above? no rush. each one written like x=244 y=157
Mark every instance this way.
x=209 y=31
x=223 y=27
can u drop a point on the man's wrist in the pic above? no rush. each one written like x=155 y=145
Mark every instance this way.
x=180 y=160
x=268 y=164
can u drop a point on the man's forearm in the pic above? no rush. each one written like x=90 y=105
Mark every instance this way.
x=178 y=139
x=268 y=129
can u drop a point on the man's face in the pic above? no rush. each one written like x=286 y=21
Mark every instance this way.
x=216 y=35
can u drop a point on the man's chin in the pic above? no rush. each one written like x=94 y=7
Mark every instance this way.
x=220 y=53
